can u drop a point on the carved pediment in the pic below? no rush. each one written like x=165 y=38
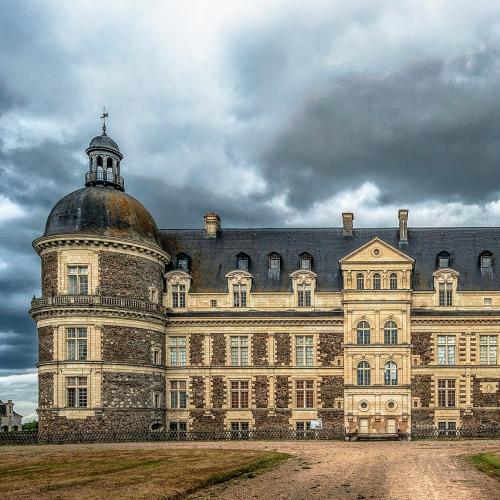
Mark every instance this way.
x=303 y=276
x=178 y=276
x=446 y=274
x=376 y=251
x=239 y=276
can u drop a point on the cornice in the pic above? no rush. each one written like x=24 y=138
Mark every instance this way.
x=227 y=320
x=72 y=310
x=54 y=242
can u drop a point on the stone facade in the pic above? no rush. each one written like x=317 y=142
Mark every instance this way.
x=259 y=349
x=130 y=390
x=45 y=344
x=49 y=274
x=330 y=345
x=283 y=349
x=207 y=286
x=131 y=345
x=218 y=349
x=123 y=275
x=196 y=349
x=331 y=388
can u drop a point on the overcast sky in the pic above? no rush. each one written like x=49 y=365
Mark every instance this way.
x=272 y=113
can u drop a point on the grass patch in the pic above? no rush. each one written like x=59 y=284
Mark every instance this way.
x=109 y=471
x=487 y=462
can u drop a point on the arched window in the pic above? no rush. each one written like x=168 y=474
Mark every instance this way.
x=377 y=282
x=391 y=373
x=390 y=332
x=360 y=281
x=443 y=260
x=100 y=173
x=242 y=261
x=363 y=333
x=109 y=163
x=393 y=281
x=363 y=373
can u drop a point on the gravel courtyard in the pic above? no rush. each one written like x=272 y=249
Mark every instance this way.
x=380 y=470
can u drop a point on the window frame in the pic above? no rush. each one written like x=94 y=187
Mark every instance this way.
x=363 y=332
x=360 y=281
x=304 y=350
x=77 y=391
x=390 y=373
x=363 y=374
x=239 y=393
x=178 y=296
x=445 y=294
x=304 y=393
x=447 y=393
x=391 y=332
x=178 y=395
x=238 y=346
x=80 y=343
x=491 y=349
x=393 y=281
x=177 y=350
x=304 y=295
x=80 y=284
x=240 y=291
x=446 y=344
x=377 y=281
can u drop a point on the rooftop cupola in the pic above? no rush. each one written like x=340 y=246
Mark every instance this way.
x=104 y=161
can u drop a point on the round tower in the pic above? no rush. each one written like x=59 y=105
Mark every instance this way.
x=100 y=318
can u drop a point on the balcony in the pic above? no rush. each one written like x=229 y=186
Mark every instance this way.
x=103 y=177
x=95 y=301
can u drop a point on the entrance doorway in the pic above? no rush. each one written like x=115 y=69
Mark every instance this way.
x=391 y=426
x=363 y=425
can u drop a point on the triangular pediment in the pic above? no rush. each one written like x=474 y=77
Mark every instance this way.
x=376 y=251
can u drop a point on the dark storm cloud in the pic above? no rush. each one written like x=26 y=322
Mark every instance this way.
x=430 y=130
x=307 y=102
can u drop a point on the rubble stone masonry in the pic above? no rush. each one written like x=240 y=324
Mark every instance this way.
x=196 y=349
x=282 y=391
x=45 y=344
x=421 y=388
x=330 y=345
x=218 y=349
x=130 y=390
x=283 y=349
x=131 y=345
x=123 y=275
x=261 y=386
x=259 y=349
x=49 y=274
x=45 y=389
x=422 y=346
x=331 y=387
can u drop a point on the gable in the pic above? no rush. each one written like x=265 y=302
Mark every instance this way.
x=376 y=251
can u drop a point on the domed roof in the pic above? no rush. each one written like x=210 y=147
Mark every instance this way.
x=105 y=142
x=102 y=211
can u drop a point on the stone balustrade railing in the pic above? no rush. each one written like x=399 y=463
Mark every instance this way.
x=95 y=300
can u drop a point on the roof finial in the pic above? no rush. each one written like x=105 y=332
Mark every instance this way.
x=103 y=118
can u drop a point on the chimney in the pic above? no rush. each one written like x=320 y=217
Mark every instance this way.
x=212 y=224
x=403 y=225
x=347 y=218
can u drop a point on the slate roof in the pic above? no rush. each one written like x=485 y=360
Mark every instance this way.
x=212 y=258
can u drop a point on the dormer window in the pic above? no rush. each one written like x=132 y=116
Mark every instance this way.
x=242 y=262
x=443 y=260
x=274 y=266
x=445 y=294
x=183 y=262
x=305 y=261
x=486 y=261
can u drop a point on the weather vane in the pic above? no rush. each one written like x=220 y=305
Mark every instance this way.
x=103 y=118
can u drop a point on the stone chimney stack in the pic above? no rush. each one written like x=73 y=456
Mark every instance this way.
x=347 y=220
x=403 y=225
x=212 y=224
x=10 y=408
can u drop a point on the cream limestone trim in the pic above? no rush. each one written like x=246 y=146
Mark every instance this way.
x=78 y=257
x=387 y=253
x=315 y=346
x=177 y=277
x=169 y=335
x=234 y=415
x=236 y=278
x=303 y=277
x=45 y=243
x=227 y=338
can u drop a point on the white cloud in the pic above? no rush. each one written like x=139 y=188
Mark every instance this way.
x=9 y=210
x=22 y=389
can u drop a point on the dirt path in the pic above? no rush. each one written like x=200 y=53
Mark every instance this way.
x=330 y=470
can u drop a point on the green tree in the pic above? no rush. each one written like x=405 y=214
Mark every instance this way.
x=30 y=426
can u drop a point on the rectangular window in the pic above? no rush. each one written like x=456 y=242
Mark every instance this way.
x=178 y=426
x=242 y=264
x=446 y=393
x=446 y=349
x=448 y=429
x=239 y=295
x=156 y=356
x=239 y=393
x=304 y=350
x=177 y=350
x=304 y=295
x=156 y=400
x=239 y=351
x=213 y=303
x=76 y=392
x=445 y=294
x=274 y=268
x=76 y=344
x=488 y=301
x=305 y=263
x=304 y=391
x=178 y=295
x=78 y=280
x=488 y=349
x=178 y=394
